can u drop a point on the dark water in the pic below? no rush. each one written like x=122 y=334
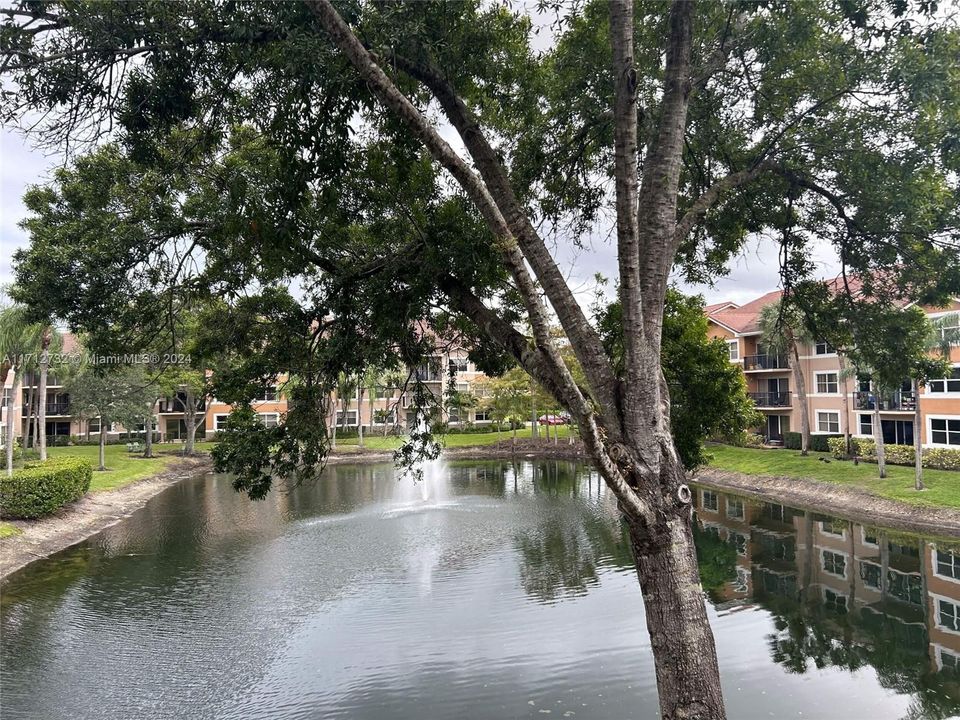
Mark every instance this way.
x=507 y=593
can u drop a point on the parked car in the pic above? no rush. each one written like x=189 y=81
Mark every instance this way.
x=553 y=419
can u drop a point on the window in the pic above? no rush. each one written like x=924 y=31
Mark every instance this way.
x=824 y=348
x=709 y=500
x=220 y=422
x=948 y=661
x=384 y=417
x=739 y=542
x=834 y=601
x=828 y=422
x=834 y=563
x=864 y=385
x=463 y=387
x=905 y=587
x=735 y=509
x=351 y=418
x=733 y=350
x=870 y=573
x=948 y=564
x=268 y=395
x=948 y=615
x=870 y=538
x=453 y=415
x=481 y=416
x=865 y=423
x=93 y=425
x=833 y=527
x=949 y=384
x=5 y=399
x=827 y=383
x=945 y=431
x=460 y=365
x=268 y=419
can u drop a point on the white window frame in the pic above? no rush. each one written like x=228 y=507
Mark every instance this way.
x=860 y=432
x=929 y=428
x=274 y=415
x=816 y=383
x=478 y=413
x=350 y=414
x=817 y=415
x=823 y=563
x=829 y=532
x=846 y=598
x=733 y=350
x=703 y=500
x=732 y=502
x=946 y=392
x=863 y=538
x=937 y=599
x=216 y=421
x=460 y=365
x=941 y=651
x=934 y=565
x=832 y=352
x=879 y=567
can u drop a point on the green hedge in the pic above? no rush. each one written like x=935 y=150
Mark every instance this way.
x=933 y=458
x=818 y=443
x=39 y=488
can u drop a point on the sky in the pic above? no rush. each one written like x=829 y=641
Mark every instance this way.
x=753 y=273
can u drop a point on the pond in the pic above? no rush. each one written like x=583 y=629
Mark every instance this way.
x=489 y=590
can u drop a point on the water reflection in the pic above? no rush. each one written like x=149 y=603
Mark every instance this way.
x=843 y=595
x=506 y=593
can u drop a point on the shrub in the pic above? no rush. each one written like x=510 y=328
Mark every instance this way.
x=838 y=447
x=818 y=443
x=39 y=488
x=933 y=458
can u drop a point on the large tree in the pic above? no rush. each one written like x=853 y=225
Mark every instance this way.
x=265 y=143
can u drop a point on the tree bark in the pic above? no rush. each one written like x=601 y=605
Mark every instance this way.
x=360 y=416
x=45 y=341
x=681 y=639
x=31 y=425
x=190 y=413
x=878 y=434
x=103 y=443
x=917 y=445
x=801 y=397
x=148 y=428
x=844 y=403
x=11 y=413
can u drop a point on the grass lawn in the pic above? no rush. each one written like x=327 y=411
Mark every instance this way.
x=8 y=530
x=943 y=486
x=453 y=440
x=122 y=467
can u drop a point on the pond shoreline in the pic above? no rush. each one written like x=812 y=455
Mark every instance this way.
x=851 y=503
x=96 y=512
x=89 y=515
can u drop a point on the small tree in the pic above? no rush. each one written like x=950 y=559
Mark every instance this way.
x=891 y=345
x=115 y=394
x=783 y=331
x=19 y=342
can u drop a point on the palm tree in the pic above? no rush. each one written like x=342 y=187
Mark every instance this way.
x=782 y=330
x=19 y=341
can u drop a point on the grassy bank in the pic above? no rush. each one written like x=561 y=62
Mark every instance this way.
x=123 y=467
x=943 y=486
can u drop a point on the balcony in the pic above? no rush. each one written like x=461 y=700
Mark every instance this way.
x=771 y=399
x=52 y=408
x=765 y=362
x=178 y=404
x=901 y=400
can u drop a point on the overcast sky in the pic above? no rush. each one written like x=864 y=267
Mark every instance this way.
x=751 y=274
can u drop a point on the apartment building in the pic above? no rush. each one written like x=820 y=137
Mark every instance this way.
x=380 y=408
x=863 y=587
x=834 y=400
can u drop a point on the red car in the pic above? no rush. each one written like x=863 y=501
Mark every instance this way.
x=553 y=419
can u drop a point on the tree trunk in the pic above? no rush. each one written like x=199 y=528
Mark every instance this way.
x=844 y=403
x=878 y=436
x=534 y=424
x=190 y=413
x=917 y=445
x=28 y=439
x=360 y=417
x=103 y=443
x=801 y=398
x=11 y=412
x=45 y=341
x=333 y=432
x=688 y=676
x=148 y=428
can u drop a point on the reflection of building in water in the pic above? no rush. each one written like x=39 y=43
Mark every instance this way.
x=846 y=593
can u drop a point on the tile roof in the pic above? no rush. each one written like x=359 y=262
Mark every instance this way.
x=745 y=318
